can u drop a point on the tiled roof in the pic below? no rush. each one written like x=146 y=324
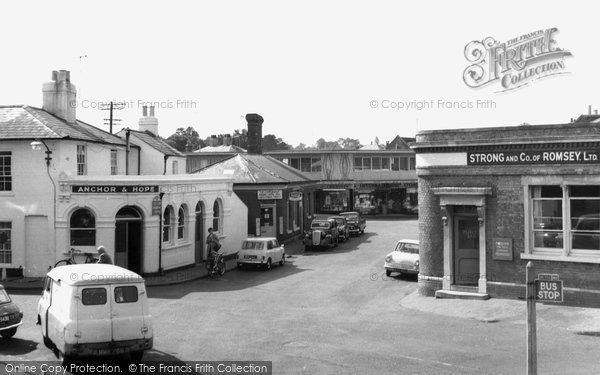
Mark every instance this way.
x=156 y=142
x=226 y=149
x=400 y=143
x=255 y=169
x=25 y=122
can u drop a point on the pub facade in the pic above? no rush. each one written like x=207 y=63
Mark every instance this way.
x=493 y=199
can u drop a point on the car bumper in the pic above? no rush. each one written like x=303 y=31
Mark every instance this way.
x=15 y=325
x=250 y=261
x=395 y=267
x=109 y=348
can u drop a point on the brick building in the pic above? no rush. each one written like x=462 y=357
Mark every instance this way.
x=492 y=199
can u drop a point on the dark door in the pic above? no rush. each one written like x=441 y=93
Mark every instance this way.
x=198 y=246
x=267 y=222
x=128 y=239
x=466 y=250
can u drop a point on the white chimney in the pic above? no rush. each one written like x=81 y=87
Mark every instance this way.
x=60 y=96
x=148 y=123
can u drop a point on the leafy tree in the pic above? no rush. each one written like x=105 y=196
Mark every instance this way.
x=185 y=140
x=270 y=142
x=322 y=144
x=349 y=143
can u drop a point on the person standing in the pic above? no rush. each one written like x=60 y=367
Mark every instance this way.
x=103 y=258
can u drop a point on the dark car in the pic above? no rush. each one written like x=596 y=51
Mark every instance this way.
x=343 y=229
x=323 y=232
x=10 y=315
x=356 y=222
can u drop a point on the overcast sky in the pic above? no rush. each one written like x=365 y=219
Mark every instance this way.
x=310 y=68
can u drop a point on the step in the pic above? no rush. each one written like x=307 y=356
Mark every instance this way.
x=457 y=294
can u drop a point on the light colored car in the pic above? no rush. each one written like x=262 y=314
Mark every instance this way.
x=261 y=251
x=404 y=258
x=11 y=316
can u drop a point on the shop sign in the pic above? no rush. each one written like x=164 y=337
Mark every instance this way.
x=156 y=205
x=295 y=196
x=270 y=194
x=534 y=157
x=114 y=189
x=503 y=249
x=548 y=288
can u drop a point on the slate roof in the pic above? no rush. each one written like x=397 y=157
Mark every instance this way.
x=400 y=143
x=25 y=122
x=156 y=142
x=255 y=169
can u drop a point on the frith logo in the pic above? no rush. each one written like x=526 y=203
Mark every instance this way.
x=515 y=63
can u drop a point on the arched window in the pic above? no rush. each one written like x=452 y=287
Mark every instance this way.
x=217 y=223
x=167 y=224
x=83 y=228
x=181 y=232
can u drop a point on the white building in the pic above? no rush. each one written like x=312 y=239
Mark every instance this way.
x=63 y=185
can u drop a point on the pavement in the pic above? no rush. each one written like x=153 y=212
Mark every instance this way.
x=579 y=320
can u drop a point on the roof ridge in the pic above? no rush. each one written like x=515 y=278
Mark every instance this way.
x=266 y=170
x=244 y=162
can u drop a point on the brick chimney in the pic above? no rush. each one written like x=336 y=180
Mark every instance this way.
x=148 y=122
x=60 y=96
x=255 y=122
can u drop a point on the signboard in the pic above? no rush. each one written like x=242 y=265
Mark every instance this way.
x=270 y=194
x=503 y=249
x=295 y=196
x=114 y=189
x=156 y=205
x=548 y=288
x=534 y=157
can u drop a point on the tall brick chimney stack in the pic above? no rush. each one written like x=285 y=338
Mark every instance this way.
x=60 y=96
x=255 y=122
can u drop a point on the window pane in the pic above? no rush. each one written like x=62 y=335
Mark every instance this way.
x=548 y=239
x=126 y=294
x=404 y=164
x=305 y=164
x=585 y=222
x=413 y=164
x=83 y=219
x=385 y=163
x=83 y=237
x=93 y=296
x=585 y=191
x=395 y=164
x=295 y=163
x=546 y=192
x=316 y=165
x=376 y=163
x=357 y=164
x=366 y=163
x=547 y=214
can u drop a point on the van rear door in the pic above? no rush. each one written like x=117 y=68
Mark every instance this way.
x=93 y=315
x=128 y=320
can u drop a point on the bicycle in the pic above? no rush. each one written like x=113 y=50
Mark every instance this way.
x=216 y=266
x=72 y=257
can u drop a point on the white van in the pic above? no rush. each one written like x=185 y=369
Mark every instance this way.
x=95 y=309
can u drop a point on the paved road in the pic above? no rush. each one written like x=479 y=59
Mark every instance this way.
x=332 y=312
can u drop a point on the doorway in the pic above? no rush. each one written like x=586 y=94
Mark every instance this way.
x=199 y=254
x=466 y=250
x=128 y=239
x=267 y=221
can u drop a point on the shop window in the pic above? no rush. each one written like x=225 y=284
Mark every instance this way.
x=315 y=165
x=403 y=164
x=81 y=160
x=217 y=217
x=181 y=232
x=332 y=201
x=547 y=216
x=5 y=171
x=113 y=162
x=83 y=228
x=5 y=242
x=395 y=163
x=585 y=217
x=358 y=164
x=167 y=224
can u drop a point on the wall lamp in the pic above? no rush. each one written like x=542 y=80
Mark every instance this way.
x=37 y=146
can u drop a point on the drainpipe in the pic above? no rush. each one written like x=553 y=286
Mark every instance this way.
x=127 y=148
x=160 y=229
x=165 y=170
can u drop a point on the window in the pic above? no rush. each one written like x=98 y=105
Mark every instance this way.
x=175 y=167
x=295 y=163
x=113 y=162
x=305 y=164
x=376 y=163
x=5 y=242
x=385 y=163
x=565 y=220
x=395 y=163
x=93 y=296
x=5 y=171
x=81 y=160
x=358 y=164
x=412 y=164
x=167 y=224
x=315 y=165
x=83 y=228
x=290 y=216
x=126 y=294
x=366 y=163
x=217 y=217
x=404 y=164
x=181 y=223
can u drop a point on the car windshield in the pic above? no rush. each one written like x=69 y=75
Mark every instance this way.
x=350 y=216
x=320 y=224
x=409 y=248
x=4 y=296
x=253 y=245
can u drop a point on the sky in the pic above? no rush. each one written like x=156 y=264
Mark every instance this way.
x=311 y=69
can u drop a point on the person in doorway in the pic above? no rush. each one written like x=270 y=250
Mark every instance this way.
x=212 y=240
x=103 y=258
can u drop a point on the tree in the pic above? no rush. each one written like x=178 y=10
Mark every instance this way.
x=185 y=140
x=322 y=144
x=270 y=143
x=349 y=143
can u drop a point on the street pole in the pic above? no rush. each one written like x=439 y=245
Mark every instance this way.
x=531 y=327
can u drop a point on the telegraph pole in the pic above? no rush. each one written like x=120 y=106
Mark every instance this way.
x=112 y=106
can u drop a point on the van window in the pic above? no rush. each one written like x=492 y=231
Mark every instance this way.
x=125 y=294
x=93 y=296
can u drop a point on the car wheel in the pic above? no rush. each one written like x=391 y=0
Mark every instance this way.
x=388 y=273
x=268 y=265
x=8 y=333
x=282 y=261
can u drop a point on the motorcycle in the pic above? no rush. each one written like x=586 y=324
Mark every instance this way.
x=216 y=266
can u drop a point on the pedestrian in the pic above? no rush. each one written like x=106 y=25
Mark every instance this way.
x=103 y=258
x=212 y=240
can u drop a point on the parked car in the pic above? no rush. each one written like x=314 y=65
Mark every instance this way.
x=356 y=222
x=323 y=232
x=404 y=258
x=261 y=251
x=11 y=316
x=95 y=309
x=343 y=229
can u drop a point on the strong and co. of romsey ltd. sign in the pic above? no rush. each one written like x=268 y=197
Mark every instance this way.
x=534 y=157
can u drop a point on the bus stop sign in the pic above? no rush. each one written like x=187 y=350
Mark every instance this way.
x=548 y=288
